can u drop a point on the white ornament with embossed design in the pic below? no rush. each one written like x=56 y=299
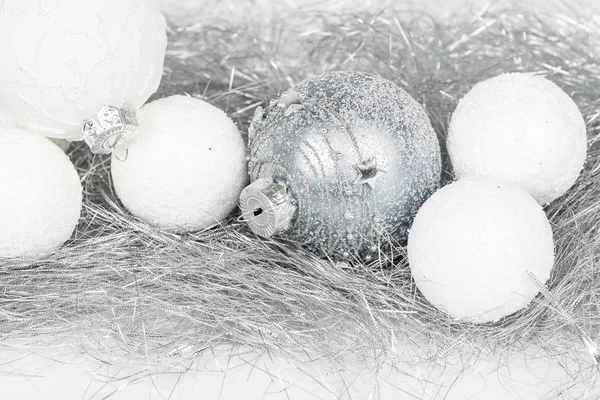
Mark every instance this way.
x=63 y=60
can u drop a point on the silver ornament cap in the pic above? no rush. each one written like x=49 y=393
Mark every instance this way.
x=267 y=208
x=109 y=128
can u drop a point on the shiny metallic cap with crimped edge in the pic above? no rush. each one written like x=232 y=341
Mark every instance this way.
x=267 y=208
x=108 y=127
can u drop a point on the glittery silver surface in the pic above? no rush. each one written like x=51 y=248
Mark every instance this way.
x=358 y=155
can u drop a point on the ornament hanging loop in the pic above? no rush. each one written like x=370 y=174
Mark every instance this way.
x=120 y=148
x=249 y=216
x=107 y=131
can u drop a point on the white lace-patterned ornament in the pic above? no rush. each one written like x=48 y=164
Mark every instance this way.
x=5 y=120
x=64 y=60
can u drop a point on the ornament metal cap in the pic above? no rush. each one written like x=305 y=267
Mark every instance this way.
x=267 y=208
x=106 y=132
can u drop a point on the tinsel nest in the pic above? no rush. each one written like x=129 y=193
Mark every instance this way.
x=127 y=291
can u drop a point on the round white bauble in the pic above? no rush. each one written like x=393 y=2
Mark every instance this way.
x=40 y=194
x=62 y=60
x=5 y=120
x=520 y=128
x=186 y=167
x=471 y=245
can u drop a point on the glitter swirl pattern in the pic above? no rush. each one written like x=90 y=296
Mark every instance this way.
x=358 y=155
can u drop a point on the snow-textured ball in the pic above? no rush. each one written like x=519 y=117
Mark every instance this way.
x=520 y=128
x=471 y=245
x=63 y=60
x=40 y=194
x=186 y=167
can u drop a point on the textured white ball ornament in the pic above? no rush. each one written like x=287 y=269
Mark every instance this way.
x=519 y=128
x=186 y=168
x=40 y=194
x=471 y=245
x=62 y=60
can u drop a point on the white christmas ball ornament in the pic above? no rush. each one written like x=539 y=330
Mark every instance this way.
x=63 y=60
x=519 y=128
x=5 y=120
x=471 y=245
x=186 y=168
x=40 y=194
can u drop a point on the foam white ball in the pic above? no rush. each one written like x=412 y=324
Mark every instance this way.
x=186 y=168
x=62 y=60
x=40 y=194
x=471 y=245
x=519 y=128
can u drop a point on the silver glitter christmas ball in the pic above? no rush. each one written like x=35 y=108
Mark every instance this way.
x=340 y=163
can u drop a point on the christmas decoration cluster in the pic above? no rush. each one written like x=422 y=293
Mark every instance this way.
x=344 y=169
x=341 y=163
